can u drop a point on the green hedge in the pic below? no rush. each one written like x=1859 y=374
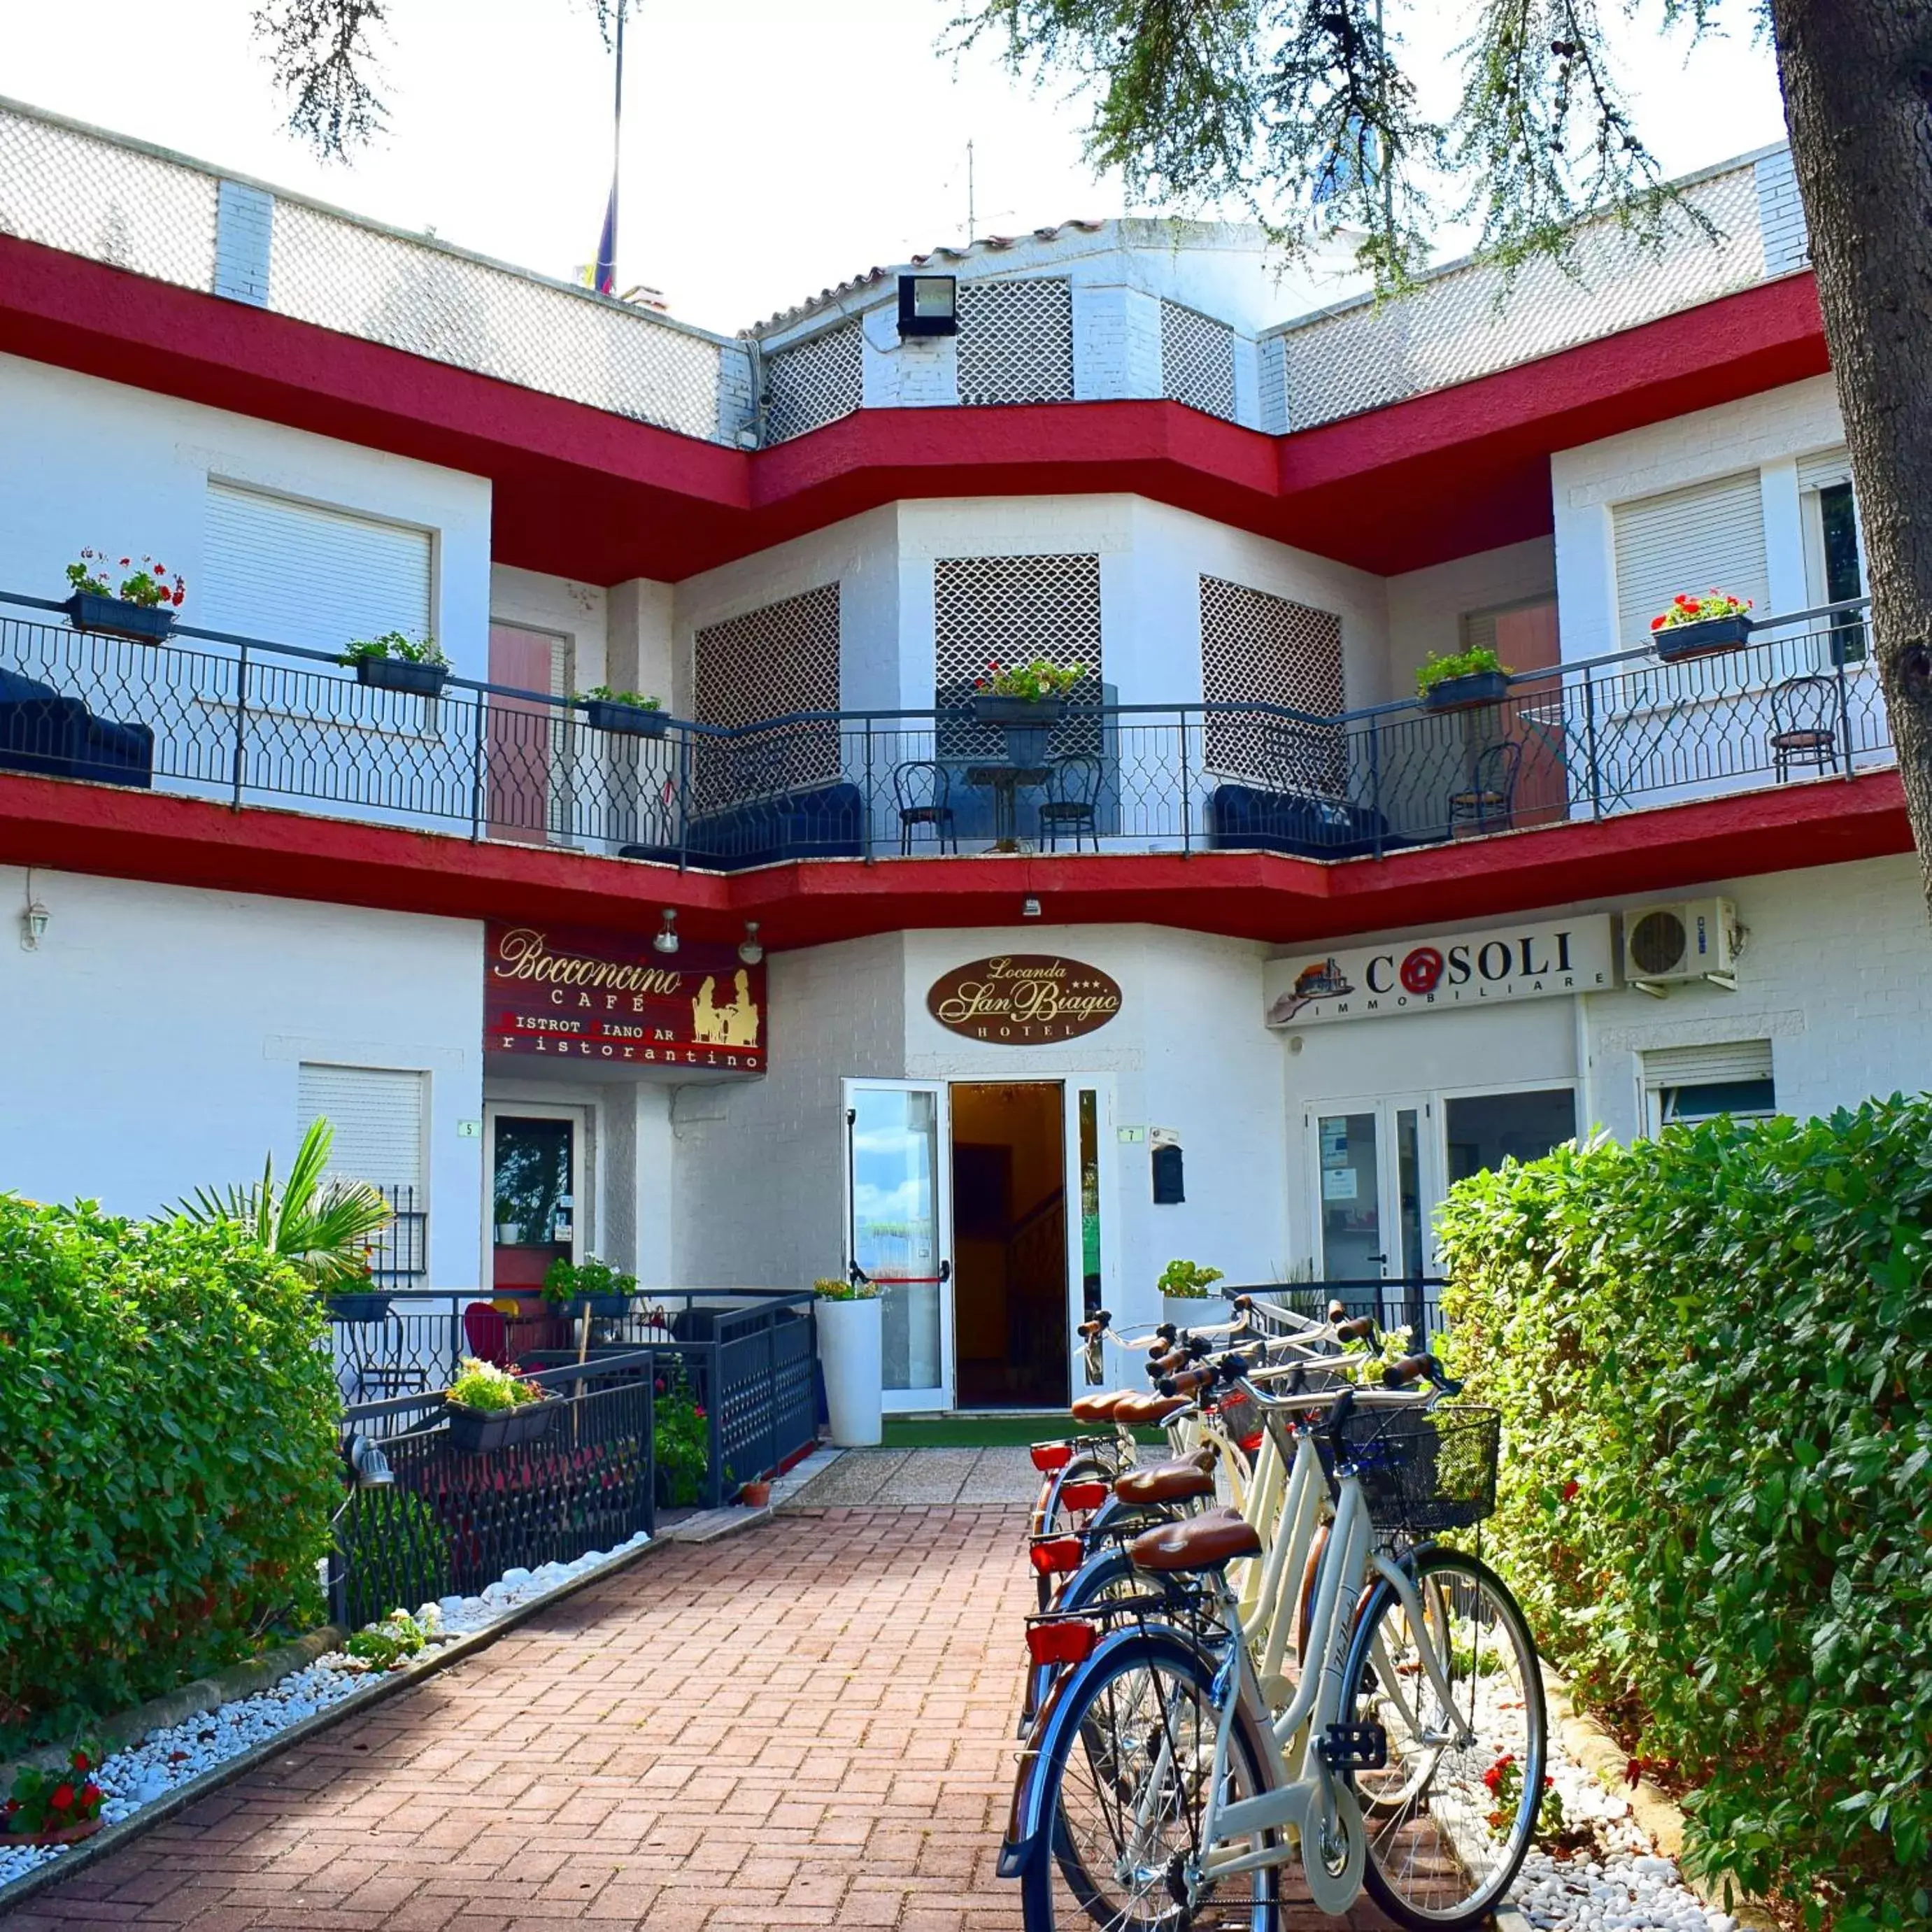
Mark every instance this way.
x=1713 y=1353
x=168 y=1430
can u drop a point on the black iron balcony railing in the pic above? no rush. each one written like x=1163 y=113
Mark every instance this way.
x=245 y=721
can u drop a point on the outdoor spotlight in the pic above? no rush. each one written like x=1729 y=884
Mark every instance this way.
x=749 y=950
x=1029 y=908
x=928 y=305
x=665 y=940
x=33 y=927
x=367 y=1464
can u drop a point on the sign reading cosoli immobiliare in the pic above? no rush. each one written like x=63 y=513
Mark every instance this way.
x=1024 y=999
x=575 y=993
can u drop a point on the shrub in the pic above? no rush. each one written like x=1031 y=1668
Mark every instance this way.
x=1713 y=1354
x=168 y=1447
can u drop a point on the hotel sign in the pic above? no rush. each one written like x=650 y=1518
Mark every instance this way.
x=574 y=993
x=1537 y=960
x=1024 y=999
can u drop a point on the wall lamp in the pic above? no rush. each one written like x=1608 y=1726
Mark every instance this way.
x=928 y=305
x=665 y=938
x=749 y=950
x=368 y=1467
x=33 y=919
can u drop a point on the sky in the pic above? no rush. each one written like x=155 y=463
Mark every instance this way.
x=771 y=148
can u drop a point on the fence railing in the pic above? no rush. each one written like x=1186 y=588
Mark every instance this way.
x=454 y=1519
x=1415 y=1304
x=243 y=721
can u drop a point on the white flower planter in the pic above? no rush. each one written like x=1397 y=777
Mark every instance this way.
x=850 y=1351
x=1191 y=1311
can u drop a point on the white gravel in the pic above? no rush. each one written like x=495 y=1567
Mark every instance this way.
x=143 y=1773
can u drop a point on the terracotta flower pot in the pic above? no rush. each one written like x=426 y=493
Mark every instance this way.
x=754 y=1495
x=66 y=1834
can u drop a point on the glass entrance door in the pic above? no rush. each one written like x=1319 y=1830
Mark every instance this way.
x=898 y=1230
x=1375 y=1191
x=534 y=1217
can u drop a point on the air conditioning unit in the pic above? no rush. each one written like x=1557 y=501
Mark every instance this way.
x=1697 y=939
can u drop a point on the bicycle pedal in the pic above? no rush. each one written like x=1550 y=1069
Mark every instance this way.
x=1354 y=1748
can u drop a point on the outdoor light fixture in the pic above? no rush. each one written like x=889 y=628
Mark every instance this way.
x=928 y=305
x=367 y=1464
x=665 y=940
x=1029 y=908
x=33 y=919
x=749 y=950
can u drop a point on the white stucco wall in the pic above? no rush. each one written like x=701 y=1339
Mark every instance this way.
x=1425 y=606
x=559 y=604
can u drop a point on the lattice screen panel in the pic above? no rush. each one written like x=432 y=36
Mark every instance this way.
x=1015 y=609
x=815 y=383
x=1016 y=341
x=770 y=664
x=1197 y=360
x=1258 y=649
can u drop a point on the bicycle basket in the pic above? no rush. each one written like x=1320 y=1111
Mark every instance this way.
x=1238 y=1418
x=1422 y=1470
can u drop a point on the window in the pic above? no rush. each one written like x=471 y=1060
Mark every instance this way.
x=378 y=1116
x=1834 y=564
x=1485 y=1129
x=1708 y=536
x=1688 y=1084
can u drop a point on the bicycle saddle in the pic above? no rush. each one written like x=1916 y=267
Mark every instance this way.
x=1176 y=1482
x=1098 y=1408
x=1137 y=1411
x=1196 y=1543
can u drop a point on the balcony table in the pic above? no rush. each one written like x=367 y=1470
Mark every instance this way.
x=1004 y=782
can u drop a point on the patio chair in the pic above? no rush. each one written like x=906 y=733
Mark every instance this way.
x=923 y=791
x=1804 y=725
x=1488 y=803
x=1072 y=794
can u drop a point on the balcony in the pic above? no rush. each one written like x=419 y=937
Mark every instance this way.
x=244 y=721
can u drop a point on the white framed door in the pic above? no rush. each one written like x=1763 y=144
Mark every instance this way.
x=1376 y=1177
x=898 y=1230
x=1093 y=1260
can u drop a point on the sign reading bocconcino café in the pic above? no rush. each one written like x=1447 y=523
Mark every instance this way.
x=1536 y=960
x=574 y=993
x=1024 y=999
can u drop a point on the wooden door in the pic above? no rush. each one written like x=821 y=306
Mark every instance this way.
x=521 y=734
x=1526 y=640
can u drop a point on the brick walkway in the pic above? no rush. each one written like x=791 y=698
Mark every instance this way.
x=809 y=1724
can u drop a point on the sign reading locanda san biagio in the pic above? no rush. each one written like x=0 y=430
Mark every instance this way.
x=572 y=993
x=1024 y=999
x=1534 y=961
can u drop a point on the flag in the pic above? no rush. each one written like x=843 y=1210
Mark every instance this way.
x=606 y=279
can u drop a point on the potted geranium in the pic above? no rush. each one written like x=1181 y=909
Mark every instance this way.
x=394 y=662
x=851 y=1353
x=488 y=1408
x=1185 y=1300
x=590 y=1286
x=629 y=713
x=1027 y=700
x=1458 y=682
x=53 y=1808
x=680 y=1442
x=1699 y=627
x=142 y=609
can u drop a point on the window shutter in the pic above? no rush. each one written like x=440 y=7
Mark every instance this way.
x=1479 y=630
x=378 y=1119
x=1827 y=467
x=1731 y=1060
x=296 y=574
x=1709 y=537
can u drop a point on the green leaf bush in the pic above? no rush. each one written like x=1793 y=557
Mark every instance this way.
x=1713 y=1355
x=168 y=1457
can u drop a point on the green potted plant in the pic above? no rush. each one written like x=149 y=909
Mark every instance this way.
x=1185 y=1300
x=142 y=610
x=54 y=1807
x=589 y=1285
x=1700 y=627
x=1027 y=700
x=851 y=1353
x=629 y=713
x=1458 y=682
x=505 y=1221
x=680 y=1442
x=394 y=662
x=488 y=1408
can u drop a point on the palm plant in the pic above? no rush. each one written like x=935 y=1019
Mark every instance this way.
x=321 y=1228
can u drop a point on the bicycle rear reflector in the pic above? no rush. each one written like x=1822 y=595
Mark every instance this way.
x=1054 y=1555
x=1082 y=1495
x=1070 y=1642
x=1050 y=1456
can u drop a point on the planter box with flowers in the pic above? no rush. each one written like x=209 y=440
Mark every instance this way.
x=589 y=1286
x=53 y=1808
x=1701 y=627
x=488 y=1408
x=394 y=662
x=142 y=610
x=1028 y=700
x=1184 y=1298
x=1462 y=682
x=627 y=713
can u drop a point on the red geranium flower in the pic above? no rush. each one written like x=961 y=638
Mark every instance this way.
x=90 y=1793
x=1657 y=623
x=1569 y=1490
x=63 y=1798
x=80 y=1761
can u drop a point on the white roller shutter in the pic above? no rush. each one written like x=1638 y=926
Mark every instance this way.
x=1721 y=1065
x=378 y=1119
x=296 y=574
x=1828 y=466
x=1709 y=537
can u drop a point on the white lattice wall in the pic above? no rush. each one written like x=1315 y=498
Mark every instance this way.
x=1197 y=360
x=1016 y=341
x=1259 y=649
x=769 y=663
x=814 y=382
x=1013 y=609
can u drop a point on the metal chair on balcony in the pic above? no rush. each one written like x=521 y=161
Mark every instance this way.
x=1488 y=803
x=1804 y=725
x=923 y=791
x=1071 y=800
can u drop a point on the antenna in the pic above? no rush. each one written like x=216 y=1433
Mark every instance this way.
x=972 y=222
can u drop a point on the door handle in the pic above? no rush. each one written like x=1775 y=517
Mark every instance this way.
x=946 y=1270
x=1381 y=1260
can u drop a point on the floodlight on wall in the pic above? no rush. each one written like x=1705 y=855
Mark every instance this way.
x=1029 y=908
x=749 y=950
x=928 y=305
x=665 y=938
x=33 y=919
x=368 y=1467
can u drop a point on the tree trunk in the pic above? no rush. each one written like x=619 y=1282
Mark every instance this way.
x=1857 y=75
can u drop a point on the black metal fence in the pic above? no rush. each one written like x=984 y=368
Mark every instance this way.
x=244 y=721
x=454 y=1520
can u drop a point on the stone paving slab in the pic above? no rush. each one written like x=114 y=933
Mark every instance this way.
x=919 y=1478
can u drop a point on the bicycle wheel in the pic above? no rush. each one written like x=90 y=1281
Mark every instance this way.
x=1102 y=1579
x=1127 y=1795
x=1445 y=1845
